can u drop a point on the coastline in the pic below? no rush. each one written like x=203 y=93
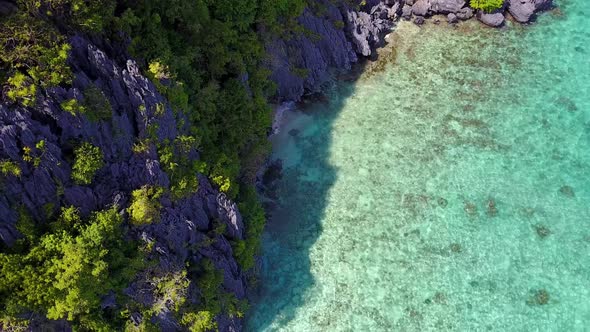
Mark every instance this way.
x=385 y=16
x=301 y=65
x=200 y=221
x=463 y=117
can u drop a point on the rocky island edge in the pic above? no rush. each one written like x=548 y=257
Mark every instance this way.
x=41 y=148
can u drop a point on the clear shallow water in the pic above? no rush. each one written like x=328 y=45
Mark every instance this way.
x=447 y=189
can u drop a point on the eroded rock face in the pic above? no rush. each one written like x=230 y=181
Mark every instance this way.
x=301 y=63
x=185 y=232
x=447 y=6
x=338 y=37
x=7 y=7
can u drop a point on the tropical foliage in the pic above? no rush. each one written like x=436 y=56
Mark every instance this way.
x=89 y=159
x=486 y=5
x=145 y=207
x=65 y=272
x=205 y=57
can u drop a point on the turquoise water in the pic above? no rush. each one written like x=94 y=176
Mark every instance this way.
x=447 y=189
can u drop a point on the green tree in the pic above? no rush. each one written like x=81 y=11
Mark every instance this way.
x=254 y=220
x=145 y=206
x=96 y=105
x=65 y=272
x=486 y=5
x=89 y=159
x=200 y=321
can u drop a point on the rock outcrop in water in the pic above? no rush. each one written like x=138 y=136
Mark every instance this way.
x=342 y=33
x=525 y=10
x=185 y=231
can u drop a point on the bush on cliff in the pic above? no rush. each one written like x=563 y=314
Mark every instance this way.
x=213 y=55
x=86 y=15
x=182 y=171
x=89 y=159
x=486 y=5
x=96 y=105
x=199 y=321
x=254 y=220
x=8 y=167
x=145 y=205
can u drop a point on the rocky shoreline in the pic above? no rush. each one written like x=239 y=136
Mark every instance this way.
x=335 y=49
x=335 y=39
x=342 y=34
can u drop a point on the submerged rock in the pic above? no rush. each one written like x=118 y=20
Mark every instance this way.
x=470 y=209
x=567 y=191
x=492 y=211
x=542 y=231
x=566 y=103
x=456 y=248
x=539 y=297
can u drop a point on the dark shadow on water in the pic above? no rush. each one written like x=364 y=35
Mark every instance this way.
x=294 y=222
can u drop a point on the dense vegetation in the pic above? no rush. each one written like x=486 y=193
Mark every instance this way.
x=205 y=57
x=64 y=268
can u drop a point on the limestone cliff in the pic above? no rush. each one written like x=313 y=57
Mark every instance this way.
x=186 y=230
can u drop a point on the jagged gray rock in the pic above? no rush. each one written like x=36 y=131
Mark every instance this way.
x=185 y=230
x=465 y=13
x=452 y=18
x=407 y=12
x=7 y=7
x=524 y=11
x=491 y=19
x=446 y=6
x=301 y=63
x=421 y=8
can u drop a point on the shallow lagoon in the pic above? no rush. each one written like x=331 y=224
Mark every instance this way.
x=447 y=189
